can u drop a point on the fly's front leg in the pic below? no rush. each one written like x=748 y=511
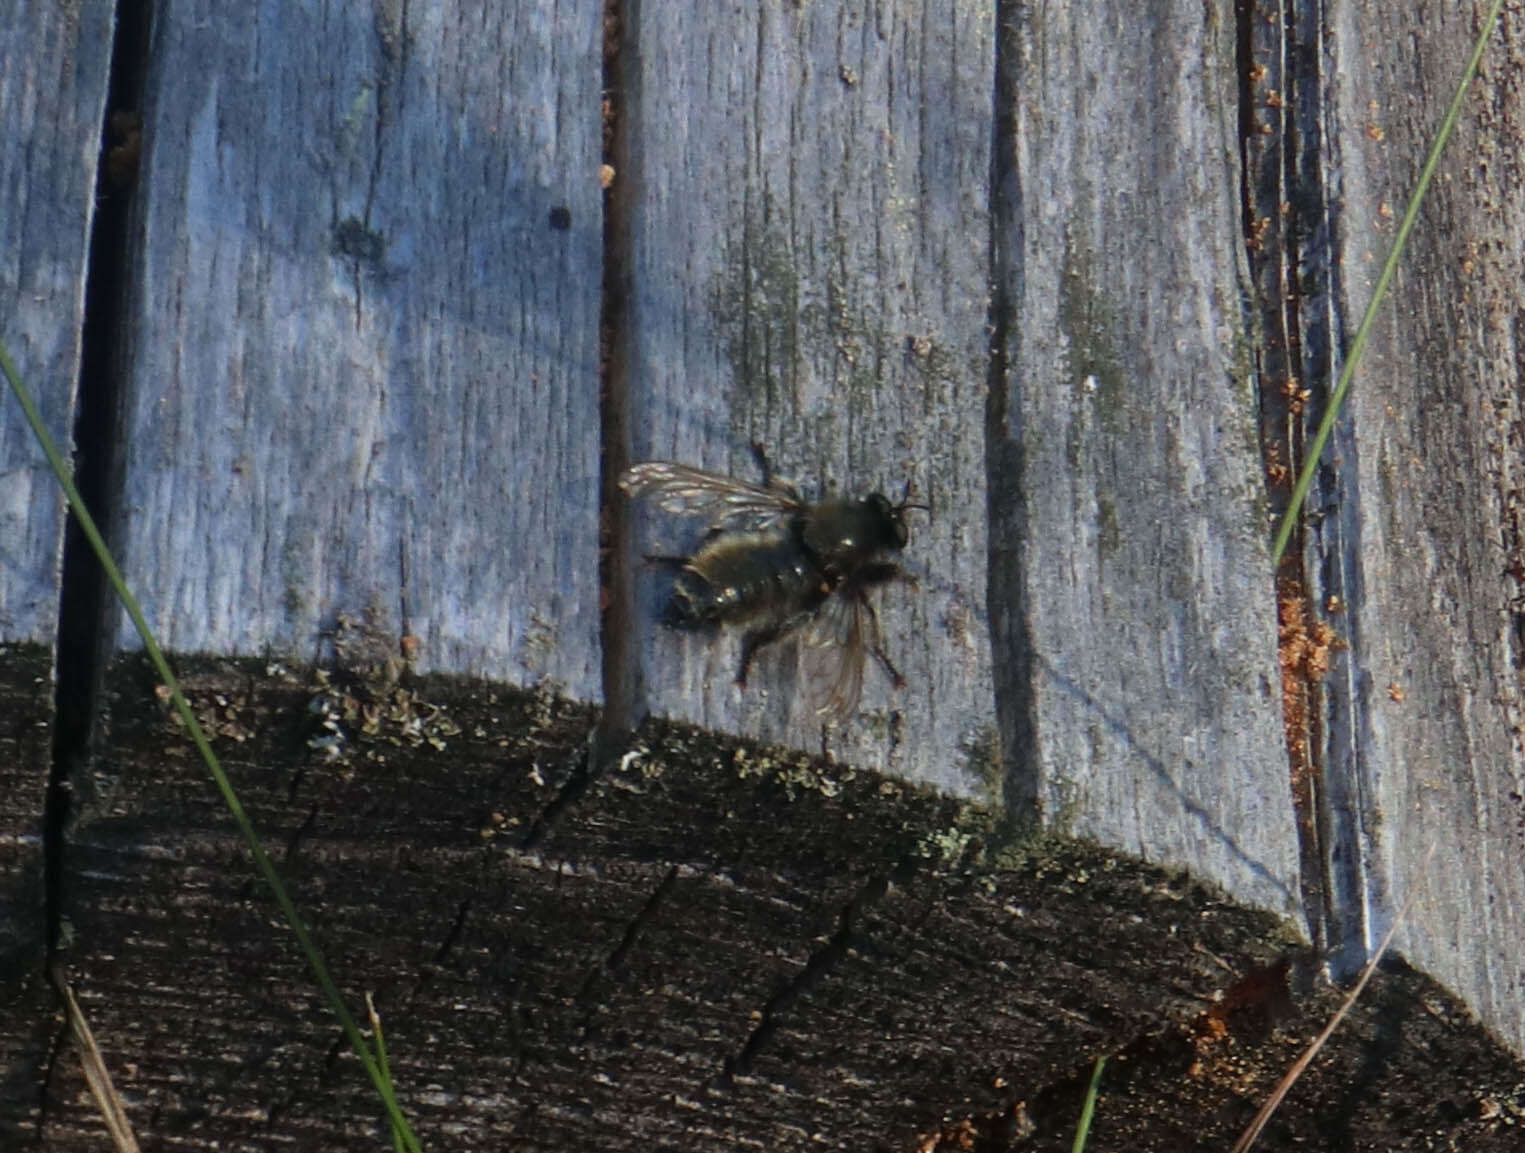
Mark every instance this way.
x=879 y=573
x=876 y=637
x=883 y=572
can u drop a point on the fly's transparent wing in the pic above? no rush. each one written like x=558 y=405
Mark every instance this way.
x=833 y=650
x=685 y=491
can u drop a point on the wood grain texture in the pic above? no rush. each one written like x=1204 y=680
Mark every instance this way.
x=364 y=375
x=810 y=271
x=712 y=946
x=53 y=70
x=1418 y=525
x=365 y=368
x=1131 y=593
x=28 y=1011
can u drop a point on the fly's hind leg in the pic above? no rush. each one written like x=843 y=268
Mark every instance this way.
x=666 y=560
x=763 y=636
x=750 y=643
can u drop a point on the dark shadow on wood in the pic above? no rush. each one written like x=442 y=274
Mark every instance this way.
x=87 y=609
x=623 y=682
x=1157 y=768
x=1007 y=602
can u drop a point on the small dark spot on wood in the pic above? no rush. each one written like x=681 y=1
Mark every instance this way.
x=354 y=240
x=561 y=218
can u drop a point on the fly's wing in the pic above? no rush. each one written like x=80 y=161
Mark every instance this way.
x=834 y=651
x=686 y=491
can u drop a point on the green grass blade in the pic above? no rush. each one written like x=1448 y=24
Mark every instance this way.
x=381 y=1060
x=1088 y=1110
x=1363 y=333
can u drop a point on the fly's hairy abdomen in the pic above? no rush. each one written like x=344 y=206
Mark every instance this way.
x=742 y=577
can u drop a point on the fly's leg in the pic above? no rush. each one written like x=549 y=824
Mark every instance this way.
x=750 y=643
x=877 y=574
x=876 y=638
x=762 y=637
x=666 y=561
x=769 y=479
x=882 y=572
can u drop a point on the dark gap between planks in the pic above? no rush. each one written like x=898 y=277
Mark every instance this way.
x=85 y=598
x=1012 y=654
x=622 y=681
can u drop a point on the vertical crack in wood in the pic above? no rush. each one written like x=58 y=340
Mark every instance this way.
x=1006 y=593
x=58 y=1047
x=628 y=940
x=1268 y=139
x=622 y=668
x=453 y=934
x=85 y=620
x=1339 y=732
x=1289 y=225
x=817 y=967
x=572 y=788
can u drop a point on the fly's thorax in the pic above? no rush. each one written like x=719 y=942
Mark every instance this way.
x=846 y=534
x=744 y=576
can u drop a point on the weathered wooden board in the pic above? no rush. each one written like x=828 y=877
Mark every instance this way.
x=1420 y=527
x=53 y=71
x=809 y=232
x=364 y=375
x=1131 y=595
x=365 y=370
x=28 y=1019
x=714 y=947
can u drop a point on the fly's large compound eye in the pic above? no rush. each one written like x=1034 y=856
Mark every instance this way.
x=890 y=517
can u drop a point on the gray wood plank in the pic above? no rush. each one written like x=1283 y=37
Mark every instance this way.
x=1420 y=527
x=810 y=239
x=1132 y=599
x=366 y=332
x=53 y=71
